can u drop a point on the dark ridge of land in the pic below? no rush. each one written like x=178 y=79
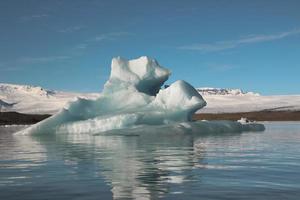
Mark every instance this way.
x=252 y=116
x=9 y=118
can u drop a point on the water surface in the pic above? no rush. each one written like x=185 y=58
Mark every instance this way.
x=253 y=165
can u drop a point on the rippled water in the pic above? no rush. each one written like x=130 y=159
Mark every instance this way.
x=253 y=165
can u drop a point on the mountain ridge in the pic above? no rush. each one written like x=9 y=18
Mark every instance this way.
x=37 y=100
x=224 y=91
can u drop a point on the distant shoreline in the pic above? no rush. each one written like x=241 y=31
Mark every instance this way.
x=15 y=118
x=252 y=116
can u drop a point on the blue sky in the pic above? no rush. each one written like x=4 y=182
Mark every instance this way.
x=69 y=44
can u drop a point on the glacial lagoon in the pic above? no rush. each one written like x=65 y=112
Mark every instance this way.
x=248 y=165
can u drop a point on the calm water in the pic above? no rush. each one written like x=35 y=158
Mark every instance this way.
x=263 y=165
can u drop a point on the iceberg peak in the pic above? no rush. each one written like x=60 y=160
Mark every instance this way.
x=180 y=96
x=142 y=74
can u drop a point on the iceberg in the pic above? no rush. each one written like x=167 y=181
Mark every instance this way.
x=133 y=100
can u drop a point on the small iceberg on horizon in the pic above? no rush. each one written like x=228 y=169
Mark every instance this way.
x=132 y=99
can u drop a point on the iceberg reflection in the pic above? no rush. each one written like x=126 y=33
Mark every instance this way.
x=138 y=166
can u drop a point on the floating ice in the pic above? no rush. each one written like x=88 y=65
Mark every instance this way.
x=132 y=99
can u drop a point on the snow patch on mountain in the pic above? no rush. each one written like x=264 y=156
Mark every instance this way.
x=249 y=103
x=224 y=91
x=4 y=105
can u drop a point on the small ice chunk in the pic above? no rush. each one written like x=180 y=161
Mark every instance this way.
x=243 y=120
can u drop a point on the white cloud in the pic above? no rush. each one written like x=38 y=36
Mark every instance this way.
x=101 y=38
x=46 y=59
x=21 y=63
x=223 y=45
x=35 y=16
x=220 y=67
x=81 y=46
x=8 y=68
x=71 y=29
x=110 y=36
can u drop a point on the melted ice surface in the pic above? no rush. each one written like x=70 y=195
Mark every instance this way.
x=133 y=99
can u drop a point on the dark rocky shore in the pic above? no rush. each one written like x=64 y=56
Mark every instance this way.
x=252 y=116
x=9 y=118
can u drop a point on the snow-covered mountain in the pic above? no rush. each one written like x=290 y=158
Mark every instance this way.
x=31 y=99
x=221 y=100
x=224 y=91
x=248 y=103
x=12 y=89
